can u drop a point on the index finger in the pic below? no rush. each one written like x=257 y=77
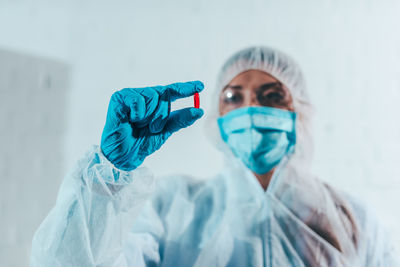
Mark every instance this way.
x=181 y=90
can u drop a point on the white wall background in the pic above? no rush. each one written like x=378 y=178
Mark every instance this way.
x=349 y=50
x=33 y=98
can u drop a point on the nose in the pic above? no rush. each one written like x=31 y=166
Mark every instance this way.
x=251 y=101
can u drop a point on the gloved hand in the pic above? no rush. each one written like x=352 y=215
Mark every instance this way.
x=139 y=121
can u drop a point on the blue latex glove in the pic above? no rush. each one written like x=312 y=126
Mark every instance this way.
x=139 y=121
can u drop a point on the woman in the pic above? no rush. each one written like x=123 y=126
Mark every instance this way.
x=264 y=209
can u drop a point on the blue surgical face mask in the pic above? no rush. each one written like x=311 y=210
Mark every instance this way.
x=259 y=136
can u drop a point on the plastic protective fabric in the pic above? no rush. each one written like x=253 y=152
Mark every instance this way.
x=259 y=136
x=107 y=217
x=139 y=121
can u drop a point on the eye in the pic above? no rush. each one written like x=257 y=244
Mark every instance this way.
x=273 y=96
x=232 y=97
x=270 y=98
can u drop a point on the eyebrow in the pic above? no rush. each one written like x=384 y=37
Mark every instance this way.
x=236 y=87
x=239 y=87
x=269 y=85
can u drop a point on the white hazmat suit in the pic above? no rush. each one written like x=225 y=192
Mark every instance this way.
x=108 y=217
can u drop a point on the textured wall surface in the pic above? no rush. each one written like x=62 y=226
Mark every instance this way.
x=349 y=50
x=32 y=114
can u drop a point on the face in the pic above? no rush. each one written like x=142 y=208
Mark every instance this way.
x=254 y=88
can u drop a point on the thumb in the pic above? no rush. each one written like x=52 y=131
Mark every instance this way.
x=182 y=118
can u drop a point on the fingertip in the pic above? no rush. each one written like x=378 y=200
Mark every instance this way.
x=197 y=112
x=199 y=85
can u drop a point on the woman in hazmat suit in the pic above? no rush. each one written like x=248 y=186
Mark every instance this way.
x=264 y=209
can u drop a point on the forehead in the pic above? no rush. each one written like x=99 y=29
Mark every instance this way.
x=252 y=78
